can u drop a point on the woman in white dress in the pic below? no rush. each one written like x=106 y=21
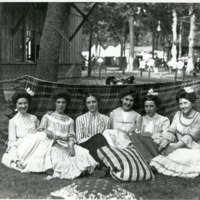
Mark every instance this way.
x=24 y=152
x=180 y=148
x=124 y=120
x=69 y=160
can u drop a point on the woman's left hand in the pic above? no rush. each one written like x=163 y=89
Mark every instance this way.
x=71 y=148
x=169 y=149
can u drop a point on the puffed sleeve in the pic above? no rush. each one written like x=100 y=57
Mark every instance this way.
x=194 y=134
x=108 y=126
x=79 y=129
x=170 y=133
x=138 y=123
x=111 y=119
x=12 y=140
x=37 y=122
x=165 y=124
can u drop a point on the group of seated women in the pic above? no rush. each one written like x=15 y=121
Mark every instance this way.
x=66 y=150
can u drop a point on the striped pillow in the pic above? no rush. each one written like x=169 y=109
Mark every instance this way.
x=125 y=164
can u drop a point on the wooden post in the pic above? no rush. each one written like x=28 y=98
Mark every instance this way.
x=149 y=73
x=100 y=66
x=141 y=72
x=183 y=73
x=176 y=75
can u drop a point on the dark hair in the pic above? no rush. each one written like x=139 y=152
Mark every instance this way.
x=129 y=90
x=61 y=93
x=90 y=93
x=153 y=98
x=21 y=93
x=183 y=94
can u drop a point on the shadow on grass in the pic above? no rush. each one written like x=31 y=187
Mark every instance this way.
x=15 y=185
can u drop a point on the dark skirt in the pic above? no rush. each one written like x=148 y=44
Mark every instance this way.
x=146 y=146
x=93 y=144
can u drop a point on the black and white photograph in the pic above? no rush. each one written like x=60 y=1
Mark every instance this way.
x=100 y=100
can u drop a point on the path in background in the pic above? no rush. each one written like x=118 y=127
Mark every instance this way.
x=155 y=77
x=164 y=76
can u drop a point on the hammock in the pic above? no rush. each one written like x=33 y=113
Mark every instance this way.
x=109 y=95
x=110 y=100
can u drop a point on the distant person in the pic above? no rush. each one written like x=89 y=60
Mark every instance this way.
x=171 y=65
x=180 y=65
x=129 y=81
x=197 y=65
x=142 y=64
x=111 y=80
x=100 y=61
x=150 y=64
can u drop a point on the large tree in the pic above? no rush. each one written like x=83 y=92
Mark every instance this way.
x=47 y=68
x=2 y=97
x=190 y=64
x=174 y=42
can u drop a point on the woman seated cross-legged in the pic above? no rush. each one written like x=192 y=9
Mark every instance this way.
x=124 y=120
x=89 y=127
x=153 y=125
x=180 y=148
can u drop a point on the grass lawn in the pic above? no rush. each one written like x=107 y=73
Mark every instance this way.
x=14 y=185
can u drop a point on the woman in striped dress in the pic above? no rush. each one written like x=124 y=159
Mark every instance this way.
x=90 y=126
x=180 y=148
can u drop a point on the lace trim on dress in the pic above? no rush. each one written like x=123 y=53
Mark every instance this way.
x=193 y=119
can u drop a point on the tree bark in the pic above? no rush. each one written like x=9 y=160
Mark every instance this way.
x=190 y=64
x=131 y=51
x=174 y=28
x=122 y=42
x=180 y=39
x=90 y=47
x=48 y=60
x=2 y=97
x=153 y=43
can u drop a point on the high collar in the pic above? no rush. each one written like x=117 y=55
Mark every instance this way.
x=93 y=114
x=154 y=117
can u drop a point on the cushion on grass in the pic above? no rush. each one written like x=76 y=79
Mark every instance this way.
x=93 y=189
x=125 y=164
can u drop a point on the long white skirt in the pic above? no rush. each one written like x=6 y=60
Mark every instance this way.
x=34 y=151
x=70 y=167
x=182 y=162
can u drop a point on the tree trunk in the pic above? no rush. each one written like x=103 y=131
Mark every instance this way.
x=2 y=97
x=153 y=43
x=180 y=39
x=174 y=28
x=47 y=68
x=122 y=42
x=190 y=64
x=131 y=50
x=90 y=47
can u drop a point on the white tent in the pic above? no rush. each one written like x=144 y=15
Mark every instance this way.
x=111 y=51
x=98 y=52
